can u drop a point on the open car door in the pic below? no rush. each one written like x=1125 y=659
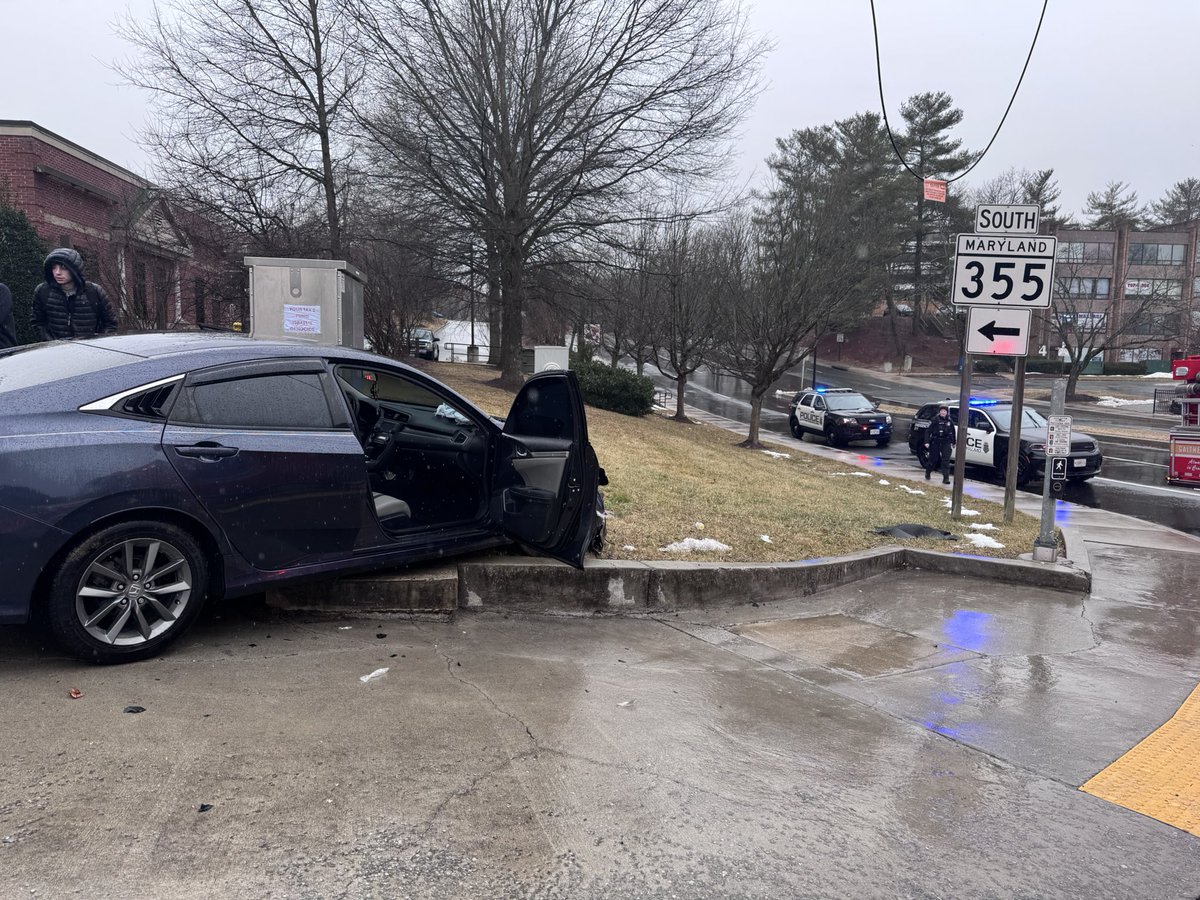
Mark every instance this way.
x=544 y=490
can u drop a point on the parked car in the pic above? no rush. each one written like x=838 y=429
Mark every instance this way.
x=840 y=416
x=424 y=344
x=140 y=475
x=989 y=424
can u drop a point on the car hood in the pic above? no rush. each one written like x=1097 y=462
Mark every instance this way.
x=863 y=411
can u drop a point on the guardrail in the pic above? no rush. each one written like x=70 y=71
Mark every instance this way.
x=459 y=352
x=1166 y=401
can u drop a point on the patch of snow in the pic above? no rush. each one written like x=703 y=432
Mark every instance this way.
x=984 y=526
x=908 y=490
x=884 y=481
x=969 y=512
x=629 y=547
x=786 y=395
x=862 y=474
x=1157 y=375
x=378 y=673
x=1117 y=402
x=774 y=455
x=766 y=538
x=696 y=545
x=982 y=540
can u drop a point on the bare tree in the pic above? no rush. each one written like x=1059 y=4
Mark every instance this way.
x=806 y=263
x=251 y=102
x=1094 y=316
x=538 y=122
x=687 y=289
x=628 y=310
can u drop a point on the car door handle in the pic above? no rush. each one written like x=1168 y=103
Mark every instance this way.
x=207 y=451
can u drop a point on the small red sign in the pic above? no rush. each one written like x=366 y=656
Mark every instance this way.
x=935 y=190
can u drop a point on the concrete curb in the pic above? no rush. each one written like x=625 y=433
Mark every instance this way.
x=617 y=586
x=522 y=584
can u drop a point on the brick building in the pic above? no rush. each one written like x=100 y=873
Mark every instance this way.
x=158 y=262
x=1141 y=289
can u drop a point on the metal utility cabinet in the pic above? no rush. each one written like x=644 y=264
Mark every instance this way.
x=315 y=300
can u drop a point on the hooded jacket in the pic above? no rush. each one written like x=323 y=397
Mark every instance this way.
x=59 y=316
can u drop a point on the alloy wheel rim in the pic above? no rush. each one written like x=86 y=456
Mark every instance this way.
x=133 y=591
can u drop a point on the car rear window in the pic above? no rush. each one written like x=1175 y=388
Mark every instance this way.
x=48 y=363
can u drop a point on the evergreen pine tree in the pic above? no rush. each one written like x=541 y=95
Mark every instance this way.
x=21 y=256
x=1180 y=204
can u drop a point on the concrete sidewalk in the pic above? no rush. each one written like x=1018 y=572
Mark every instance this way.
x=909 y=735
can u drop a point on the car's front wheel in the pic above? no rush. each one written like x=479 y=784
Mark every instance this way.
x=125 y=592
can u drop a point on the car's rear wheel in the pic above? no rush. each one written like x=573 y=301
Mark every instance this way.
x=797 y=431
x=125 y=592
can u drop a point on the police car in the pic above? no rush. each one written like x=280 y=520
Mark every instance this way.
x=988 y=424
x=840 y=415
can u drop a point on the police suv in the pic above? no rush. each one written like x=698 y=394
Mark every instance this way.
x=840 y=415
x=988 y=426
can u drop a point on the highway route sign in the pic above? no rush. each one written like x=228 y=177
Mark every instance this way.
x=1058 y=468
x=1004 y=270
x=1007 y=218
x=1058 y=436
x=998 y=330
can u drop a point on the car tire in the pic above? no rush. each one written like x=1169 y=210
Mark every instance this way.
x=99 y=612
x=883 y=442
x=832 y=439
x=797 y=431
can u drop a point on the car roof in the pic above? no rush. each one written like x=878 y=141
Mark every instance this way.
x=51 y=379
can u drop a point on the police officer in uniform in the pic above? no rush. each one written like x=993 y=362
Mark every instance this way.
x=939 y=444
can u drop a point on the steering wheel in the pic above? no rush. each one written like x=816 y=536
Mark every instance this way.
x=381 y=445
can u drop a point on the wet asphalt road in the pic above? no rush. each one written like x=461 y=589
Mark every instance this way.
x=1132 y=482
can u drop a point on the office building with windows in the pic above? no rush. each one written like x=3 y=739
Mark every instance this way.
x=1137 y=291
x=156 y=260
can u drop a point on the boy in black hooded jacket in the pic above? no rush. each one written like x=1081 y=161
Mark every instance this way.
x=65 y=305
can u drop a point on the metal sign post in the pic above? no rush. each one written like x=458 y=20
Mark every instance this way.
x=960 y=438
x=1014 y=443
x=1002 y=272
x=1045 y=547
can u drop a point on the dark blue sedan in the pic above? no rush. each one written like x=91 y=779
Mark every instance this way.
x=141 y=475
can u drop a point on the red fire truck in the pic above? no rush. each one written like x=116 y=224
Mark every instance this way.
x=1184 y=454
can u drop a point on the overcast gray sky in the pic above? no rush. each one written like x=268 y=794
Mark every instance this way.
x=1110 y=93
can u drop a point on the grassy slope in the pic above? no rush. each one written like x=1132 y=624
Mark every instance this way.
x=665 y=477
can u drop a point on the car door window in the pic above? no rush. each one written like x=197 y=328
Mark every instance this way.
x=288 y=401
x=818 y=403
x=806 y=400
x=980 y=421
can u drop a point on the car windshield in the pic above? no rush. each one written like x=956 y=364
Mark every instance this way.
x=1029 y=419
x=847 y=401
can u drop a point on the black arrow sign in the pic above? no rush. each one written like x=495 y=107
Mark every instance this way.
x=991 y=329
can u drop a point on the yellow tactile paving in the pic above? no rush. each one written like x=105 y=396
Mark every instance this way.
x=1160 y=777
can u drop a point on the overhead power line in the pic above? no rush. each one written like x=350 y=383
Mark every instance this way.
x=883 y=103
